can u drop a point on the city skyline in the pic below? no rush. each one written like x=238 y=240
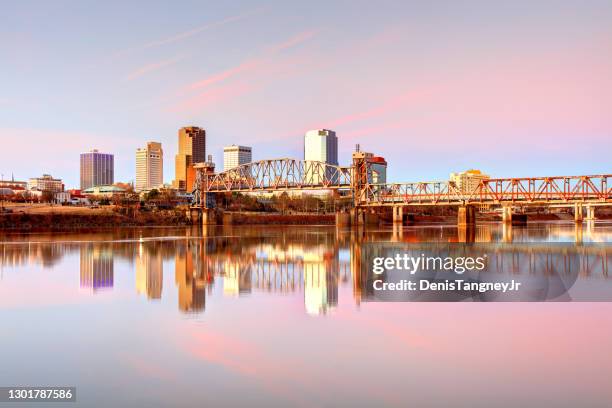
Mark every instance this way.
x=456 y=84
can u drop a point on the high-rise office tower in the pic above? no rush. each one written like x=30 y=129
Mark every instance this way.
x=97 y=169
x=234 y=156
x=191 y=150
x=149 y=166
x=321 y=145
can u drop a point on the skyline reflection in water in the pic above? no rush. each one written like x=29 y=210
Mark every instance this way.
x=314 y=261
x=228 y=316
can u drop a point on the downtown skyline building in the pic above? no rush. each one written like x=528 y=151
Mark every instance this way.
x=149 y=167
x=320 y=145
x=191 y=150
x=469 y=180
x=234 y=156
x=97 y=169
x=45 y=183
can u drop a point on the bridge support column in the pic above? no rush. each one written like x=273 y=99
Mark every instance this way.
x=228 y=218
x=466 y=233
x=590 y=213
x=193 y=215
x=371 y=218
x=466 y=215
x=356 y=216
x=578 y=213
x=507 y=215
x=398 y=215
x=208 y=216
x=343 y=219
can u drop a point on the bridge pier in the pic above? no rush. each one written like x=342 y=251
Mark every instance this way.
x=357 y=216
x=466 y=233
x=193 y=214
x=343 y=219
x=398 y=215
x=371 y=218
x=507 y=215
x=511 y=218
x=578 y=213
x=466 y=215
x=227 y=218
x=209 y=217
x=590 y=210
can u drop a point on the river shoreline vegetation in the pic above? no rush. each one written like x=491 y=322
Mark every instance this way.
x=157 y=209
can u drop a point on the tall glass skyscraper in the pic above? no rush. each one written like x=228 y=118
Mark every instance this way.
x=191 y=150
x=97 y=169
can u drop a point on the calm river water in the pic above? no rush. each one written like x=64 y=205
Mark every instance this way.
x=284 y=316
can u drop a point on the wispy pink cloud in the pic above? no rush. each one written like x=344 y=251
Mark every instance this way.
x=293 y=41
x=186 y=34
x=223 y=75
x=253 y=63
x=393 y=103
x=197 y=30
x=151 y=67
x=212 y=96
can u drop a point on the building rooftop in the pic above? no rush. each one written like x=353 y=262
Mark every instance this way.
x=103 y=189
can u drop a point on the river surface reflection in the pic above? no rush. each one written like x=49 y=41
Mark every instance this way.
x=277 y=316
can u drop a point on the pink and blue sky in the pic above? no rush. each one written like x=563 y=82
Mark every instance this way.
x=513 y=88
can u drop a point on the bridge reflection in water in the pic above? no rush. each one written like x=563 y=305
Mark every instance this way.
x=319 y=262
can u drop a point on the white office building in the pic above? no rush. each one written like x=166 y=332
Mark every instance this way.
x=149 y=167
x=321 y=145
x=45 y=183
x=469 y=180
x=234 y=156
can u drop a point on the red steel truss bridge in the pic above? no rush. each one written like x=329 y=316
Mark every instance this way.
x=294 y=175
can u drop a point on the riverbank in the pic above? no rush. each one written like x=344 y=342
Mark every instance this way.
x=29 y=221
x=58 y=218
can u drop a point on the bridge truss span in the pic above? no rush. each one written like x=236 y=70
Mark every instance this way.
x=277 y=175
x=595 y=189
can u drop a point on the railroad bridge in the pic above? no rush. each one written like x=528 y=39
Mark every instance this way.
x=582 y=193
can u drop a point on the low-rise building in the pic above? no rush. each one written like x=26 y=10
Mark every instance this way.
x=14 y=185
x=469 y=180
x=61 y=197
x=103 y=191
x=77 y=198
x=45 y=183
